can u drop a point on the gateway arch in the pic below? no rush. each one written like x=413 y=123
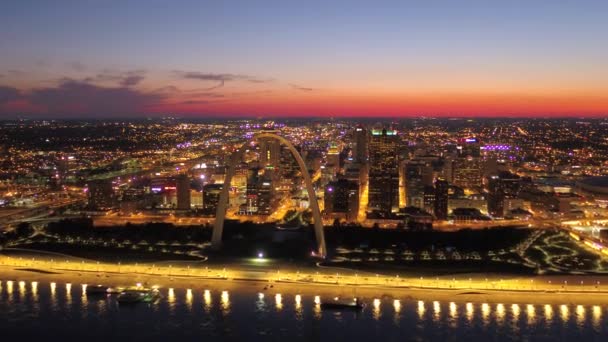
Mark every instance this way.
x=220 y=215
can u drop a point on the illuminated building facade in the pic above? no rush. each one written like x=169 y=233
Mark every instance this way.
x=101 y=195
x=383 y=172
x=342 y=199
x=211 y=197
x=182 y=184
x=360 y=150
x=441 y=199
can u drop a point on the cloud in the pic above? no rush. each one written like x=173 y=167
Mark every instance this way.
x=248 y=93
x=8 y=94
x=206 y=94
x=77 y=97
x=77 y=66
x=297 y=87
x=124 y=79
x=220 y=79
x=131 y=80
x=15 y=72
x=195 y=102
x=41 y=63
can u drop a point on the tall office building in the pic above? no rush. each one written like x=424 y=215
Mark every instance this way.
x=182 y=184
x=101 y=194
x=270 y=152
x=501 y=187
x=342 y=199
x=496 y=196
x=383 y=196
x=414 y=186
x=260 y=191
x=467 y=172
x=429 y=199
x=468 y=166
x=211 y=197
x=333 y=160
x=441 y=199
x=360 y=150
x=469 y=147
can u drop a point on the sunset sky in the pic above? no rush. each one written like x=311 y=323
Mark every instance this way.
x=102 y=58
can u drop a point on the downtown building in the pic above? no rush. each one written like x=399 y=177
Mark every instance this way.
x=383 y=197
x=441 y=201
x=260 y=193
x=211 y=198
x=101 y=195
x=468 y=167
x=503 y=194
x=361 y=145
x=341 y=200
x=182 y=185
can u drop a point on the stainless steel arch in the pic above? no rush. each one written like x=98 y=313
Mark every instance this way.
x=216 y=239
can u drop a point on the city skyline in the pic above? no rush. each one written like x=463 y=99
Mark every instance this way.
x=91 y=60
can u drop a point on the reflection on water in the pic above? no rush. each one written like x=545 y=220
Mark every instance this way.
x=397 y=305
x=470 y=311
x=580 y=314
x=21 y=289
x=597 y=316
x=437 y=310
x=376 y=310
x=207 y=300
x=531 y=312
x=317 y=307
x=189 y=299
x=515 y=311
x=278 y=301
x=548 y=314
x=35 y=289
x=421 y=309
x=298 y=301
x=68 y=293
x=53 y=296
x=565 y=314
x=500 y=313
x=262 y=316
x=225 y=303
x=485 y=313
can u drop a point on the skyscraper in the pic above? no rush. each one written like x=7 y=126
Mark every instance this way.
x=333 y=159
x=501 y=187
x=342 y=199
x=211 y=197
x=383 y=172
x=468 y=172
x=496 y=196
x=182 y=184
x=360 y=151
x=441 y=199
x=429 y=199
x=270 y=152
x=468 y=166
x=259 y=193
x=101 y=194
x=414 y=187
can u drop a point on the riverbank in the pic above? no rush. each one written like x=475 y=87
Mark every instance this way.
x=305 y=289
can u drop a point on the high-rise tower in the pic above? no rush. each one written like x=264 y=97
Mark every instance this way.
x=383 y=172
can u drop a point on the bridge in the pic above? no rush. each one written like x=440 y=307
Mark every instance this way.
x=220 y=215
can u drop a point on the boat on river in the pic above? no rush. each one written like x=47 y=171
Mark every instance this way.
x=337 y=304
